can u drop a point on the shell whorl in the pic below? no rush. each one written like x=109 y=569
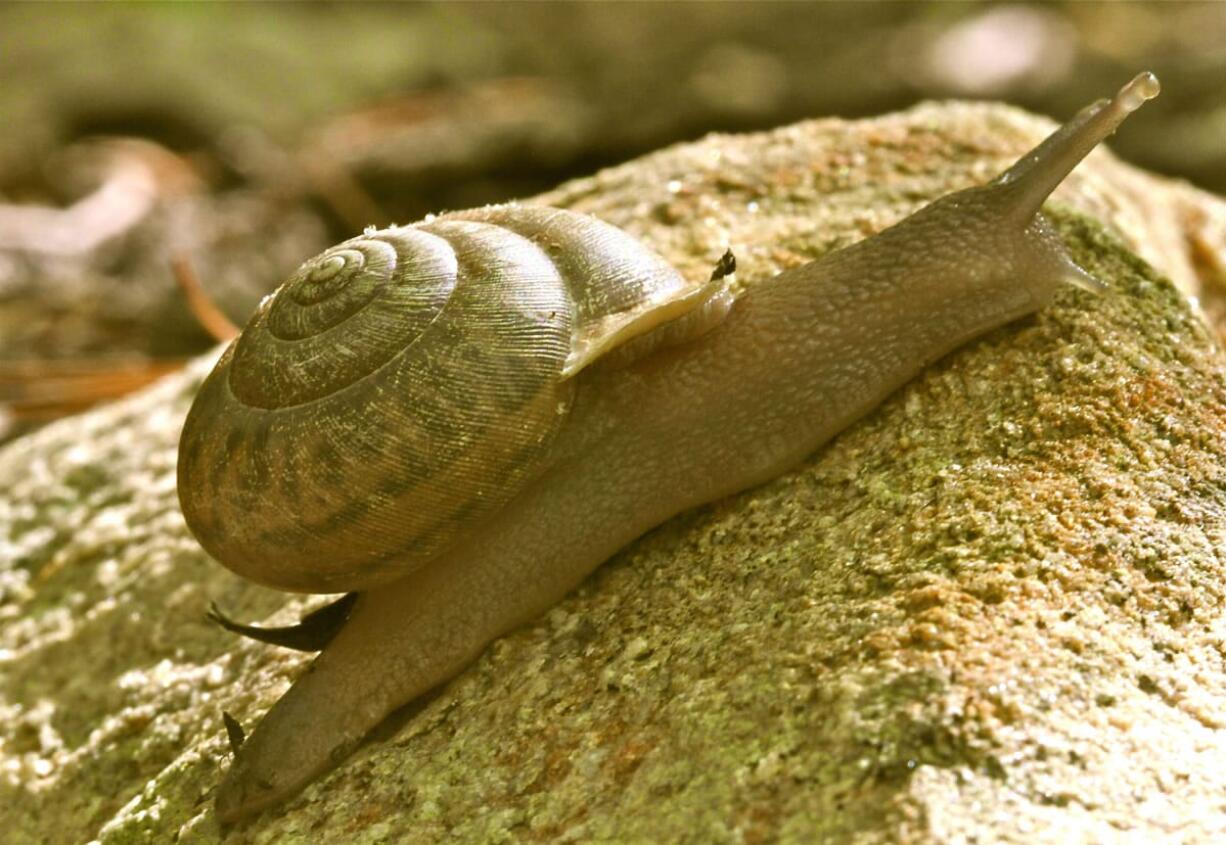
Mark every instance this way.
x=402 y=385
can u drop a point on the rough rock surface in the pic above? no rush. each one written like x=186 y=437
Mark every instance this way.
x=991 y=611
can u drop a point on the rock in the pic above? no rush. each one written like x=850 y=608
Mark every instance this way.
x=992 y=610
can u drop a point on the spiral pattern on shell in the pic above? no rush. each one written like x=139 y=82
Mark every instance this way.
x=402 y=385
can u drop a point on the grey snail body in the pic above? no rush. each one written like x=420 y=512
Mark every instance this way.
x=532 y=391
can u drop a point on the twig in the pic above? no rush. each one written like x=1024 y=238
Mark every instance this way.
x=342 y=191
x=205 y=310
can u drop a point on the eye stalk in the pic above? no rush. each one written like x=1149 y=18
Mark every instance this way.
x=1013 y=199
x=1032 y=179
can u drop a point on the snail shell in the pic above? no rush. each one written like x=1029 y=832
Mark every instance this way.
x=403 y=384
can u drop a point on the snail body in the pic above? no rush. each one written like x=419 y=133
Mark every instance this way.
x=617 y=395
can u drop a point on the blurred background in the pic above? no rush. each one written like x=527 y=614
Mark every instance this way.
x=164 y=166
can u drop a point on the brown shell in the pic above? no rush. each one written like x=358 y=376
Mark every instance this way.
x=404 y=384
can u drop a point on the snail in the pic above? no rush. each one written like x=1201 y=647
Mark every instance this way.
x=455 y=422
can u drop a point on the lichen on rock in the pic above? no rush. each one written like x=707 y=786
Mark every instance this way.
x=991 y=610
